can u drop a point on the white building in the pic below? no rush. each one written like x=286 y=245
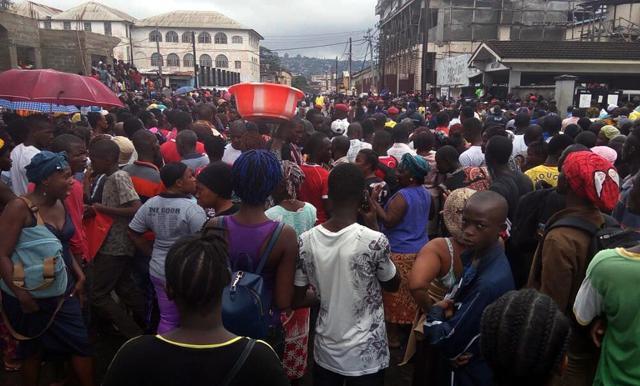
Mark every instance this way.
x=97 y=18
x=222 y=44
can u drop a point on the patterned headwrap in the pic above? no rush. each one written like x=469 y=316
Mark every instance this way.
x=415 y=164
x=592 y=177
x=452 y=210
x=293 y=177
x=609 y=131
x=44 y=164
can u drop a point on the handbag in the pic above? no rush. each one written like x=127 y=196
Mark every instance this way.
x=38 y=266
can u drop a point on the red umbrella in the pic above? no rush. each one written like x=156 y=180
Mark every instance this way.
x=50 y=86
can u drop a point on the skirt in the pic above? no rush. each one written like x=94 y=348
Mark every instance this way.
x=399 y=307
x=296 y=342
x=66 y=336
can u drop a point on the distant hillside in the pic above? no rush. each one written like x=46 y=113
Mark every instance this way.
x=307 y=66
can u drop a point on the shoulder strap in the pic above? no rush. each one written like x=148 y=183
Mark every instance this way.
x=238 y=365
x=34 y=209
x=272 y=243
x=577 y=223
x=450 y=247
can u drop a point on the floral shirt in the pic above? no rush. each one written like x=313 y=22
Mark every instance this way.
x=345 y=268
x=117 y=191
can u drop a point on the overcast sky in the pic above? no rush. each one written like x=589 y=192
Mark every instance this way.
x=283 y=23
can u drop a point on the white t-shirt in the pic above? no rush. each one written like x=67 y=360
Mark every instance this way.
x=346 y=268
x=170 y=218
x=400 y=149
x=21 y=157
x=355 y=145
x=473 y=156
x=230 y=154
x=519 y=146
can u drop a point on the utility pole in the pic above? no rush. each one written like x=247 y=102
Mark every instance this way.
x=350 y=57
x=195 y=64
x=426 y=14
x=160 y=59
x=336 y=74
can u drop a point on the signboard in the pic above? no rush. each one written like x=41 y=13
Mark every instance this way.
x=585 y=101
x=444 y=92
x=454 y=71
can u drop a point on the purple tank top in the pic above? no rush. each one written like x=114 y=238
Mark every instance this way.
x=245 y=245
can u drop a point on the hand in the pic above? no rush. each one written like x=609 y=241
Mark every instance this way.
x=89 y=211
x=597 y=332
x=375 y=193
x=78 y=291
x=27 y=303
x=447 y=307
x=98 y=207
x=461 y=360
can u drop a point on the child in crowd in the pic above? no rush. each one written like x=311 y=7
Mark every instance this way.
x=186 y=144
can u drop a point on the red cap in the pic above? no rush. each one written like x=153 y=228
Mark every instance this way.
x=342 y=107
x=392 y=111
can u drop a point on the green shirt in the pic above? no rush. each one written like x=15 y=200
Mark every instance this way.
x=611 y=290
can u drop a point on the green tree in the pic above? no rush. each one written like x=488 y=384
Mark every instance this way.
x=300 y=82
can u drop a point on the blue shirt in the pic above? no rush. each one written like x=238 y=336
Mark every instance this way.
x=479 y=286
x=410 y=235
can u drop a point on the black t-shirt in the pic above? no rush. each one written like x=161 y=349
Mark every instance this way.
x=512 y=186
x=153 y=361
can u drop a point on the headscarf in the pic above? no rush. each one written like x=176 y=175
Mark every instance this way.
x=605 y=152
x=44 y=164
x=609 y=131
x=592 y=177
x=293 y=177
x=452 y=210
x=415 y=164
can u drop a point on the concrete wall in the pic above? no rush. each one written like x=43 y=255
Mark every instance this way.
x=119 y=29
x=17 y=31
x=73 y=51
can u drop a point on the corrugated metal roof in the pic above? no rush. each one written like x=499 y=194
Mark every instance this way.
x=191 y=19
x=34 y=10
x=93 y=11
x=565 y=50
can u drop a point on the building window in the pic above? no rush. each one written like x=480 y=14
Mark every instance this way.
x=66 y=25
x=222 y=61
x=172 y=37
x=155 y=36
x=238 y=64
x=173 y=60
x=87 y=27
x=107 y=28
x=236 y=39
x=186 y=37
x=205 y=60
x=47 y=23
x=156 y=60
x=187 y=60
x=204 y=38
x=221 y=38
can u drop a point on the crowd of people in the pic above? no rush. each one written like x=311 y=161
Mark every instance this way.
x=494 y=242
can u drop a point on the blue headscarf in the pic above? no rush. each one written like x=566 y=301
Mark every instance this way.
x=44 y=164
x=416 y=165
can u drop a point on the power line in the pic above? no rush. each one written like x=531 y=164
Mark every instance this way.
x=319 y=46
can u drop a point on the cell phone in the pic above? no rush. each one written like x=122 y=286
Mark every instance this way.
x=365 y=206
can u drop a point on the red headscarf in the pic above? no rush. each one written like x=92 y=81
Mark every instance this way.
x=592 y=177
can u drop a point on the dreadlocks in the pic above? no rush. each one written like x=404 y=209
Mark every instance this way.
x=524 y=337
x=256 y=173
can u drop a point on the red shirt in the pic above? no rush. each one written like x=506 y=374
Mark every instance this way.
x=169 y=151
x=75 y=207
x=388 y=161
x=315 y=188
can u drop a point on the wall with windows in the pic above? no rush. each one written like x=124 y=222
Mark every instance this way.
x=233 y=50
x=118 y=29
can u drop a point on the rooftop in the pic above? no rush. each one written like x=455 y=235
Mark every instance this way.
x=93 y=11
x=563 y=50
x=191 y=19
x=34 y=10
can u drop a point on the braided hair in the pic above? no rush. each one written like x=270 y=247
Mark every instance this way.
x=524 y=338
x=196 y=270
x=255 y=174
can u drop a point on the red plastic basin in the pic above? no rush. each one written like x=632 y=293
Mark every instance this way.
x=266 y=100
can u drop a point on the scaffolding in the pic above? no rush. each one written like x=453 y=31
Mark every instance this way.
x=605 y=20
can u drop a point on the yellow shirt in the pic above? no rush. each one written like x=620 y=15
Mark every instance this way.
x=548 y=174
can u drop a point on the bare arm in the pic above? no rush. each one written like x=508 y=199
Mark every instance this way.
x=142 y=244
x=394 y=213
x=283 y=295
x=392 y=285
x=425 y=269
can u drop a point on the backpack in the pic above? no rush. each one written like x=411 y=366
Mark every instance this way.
x=38 y=266
x=246 y=303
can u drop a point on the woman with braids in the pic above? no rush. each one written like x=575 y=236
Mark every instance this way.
x=255 y=175
x=301 y=216
x=524 y=338
x=404 y=221
x=201 y=351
